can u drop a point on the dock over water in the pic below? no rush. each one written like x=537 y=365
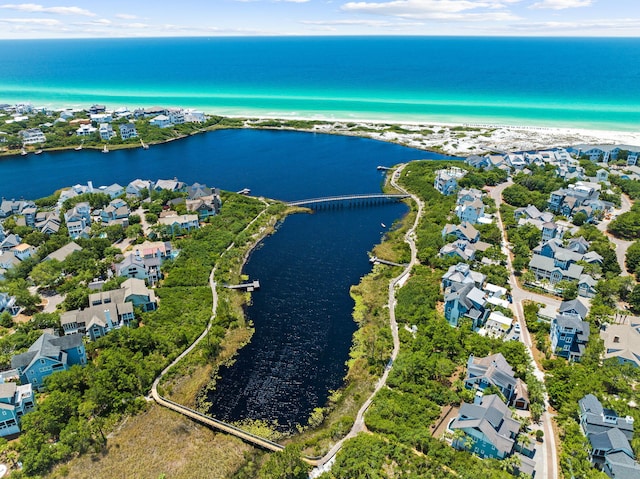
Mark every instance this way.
x=246 y=286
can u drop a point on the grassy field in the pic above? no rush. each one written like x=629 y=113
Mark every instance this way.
x=160 y=442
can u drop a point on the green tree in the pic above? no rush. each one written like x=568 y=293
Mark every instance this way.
x=286 y=464
x=48 y=274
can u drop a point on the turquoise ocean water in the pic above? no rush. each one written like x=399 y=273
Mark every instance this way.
x=577 y=82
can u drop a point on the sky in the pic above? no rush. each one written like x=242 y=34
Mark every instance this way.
x=152 y=18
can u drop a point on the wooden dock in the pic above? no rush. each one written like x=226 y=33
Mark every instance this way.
x=246 y=286
x=376 y=260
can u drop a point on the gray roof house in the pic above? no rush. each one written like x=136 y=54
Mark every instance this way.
x=489 y=426
x=463 y=231
x=62 y=253
x=465 y=300
x=622 y=341
x=569 y=336
x=495 y=371
x=609 y=436
x=463 y=274
x=575 y=307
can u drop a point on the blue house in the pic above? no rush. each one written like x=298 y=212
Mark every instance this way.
x=495 y=371
x=489 y=430
x=569 y=336
x=47 y=355
x=465 y=300
x=14 y=402
x=609 y=436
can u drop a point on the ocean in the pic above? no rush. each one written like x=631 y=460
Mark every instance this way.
x=556 y=82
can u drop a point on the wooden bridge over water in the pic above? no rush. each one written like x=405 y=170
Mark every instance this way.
x=349 y=200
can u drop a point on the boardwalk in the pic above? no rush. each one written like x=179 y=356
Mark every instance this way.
x=351 y=199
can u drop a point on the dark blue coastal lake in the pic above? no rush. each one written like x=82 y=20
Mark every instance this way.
x=302 y=313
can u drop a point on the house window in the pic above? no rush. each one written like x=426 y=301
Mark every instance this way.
x=566 y=347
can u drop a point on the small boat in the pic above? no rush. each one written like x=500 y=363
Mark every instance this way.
x=23 y=152
x=38 y=152
x=105 y=149
x=383 y=225
x=79 y=147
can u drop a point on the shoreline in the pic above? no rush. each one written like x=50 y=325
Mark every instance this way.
x=457 y=139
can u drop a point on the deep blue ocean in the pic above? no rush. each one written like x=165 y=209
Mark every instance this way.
x=572 y=82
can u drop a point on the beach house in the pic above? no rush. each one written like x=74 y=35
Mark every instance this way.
x=47 y=355
x=15 y=401
x=622 y=342
x=494 y=370
x=446 y=181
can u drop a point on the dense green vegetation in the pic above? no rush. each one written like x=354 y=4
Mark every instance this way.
x=426 y=378
x=627 y=225
x=82 y=403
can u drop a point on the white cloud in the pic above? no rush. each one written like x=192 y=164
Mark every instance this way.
x=35 y=8
x=455 y=10
x=126 y=16
x=562 y=4
x=32 y=21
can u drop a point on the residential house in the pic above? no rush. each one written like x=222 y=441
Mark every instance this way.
x=516 y=161
x=128 y=130
x=144 y=261
x=553 y=262
x=462 y=273
x=9 y=242
x=533 y=213
x=136 y=187
x=47 y=355
x=587 y=286
x=114 y=190
x=495 y=371
x=459 y=248
x=575 y=308
x=497 y=325
x=32 y=136
x=8 y=260
x=609 y=436
x=602 y=175
x=23 y=251
x=489 y=430
x=29 y=213
x=109 y=310
x=171 y=185
x=569 y=336
x=176 y=116
x=96 y=109
x=179 y=224
x=100 y=118
x=161 y=121
x=8 y=303
x=581 y=194
x=622 y=341
x=48 y=222
x=446 y=181
x=86 y=129
x=78 y=220
x=205 y=206
x=106 y=131
x=478 y=161
x=465 y=301
x=14 y=207
x=463 y=231
x=604 y=153
x=15 y=401
x=63 y=253
x=116 y=213
x=194 y=116
x=470 y=211
x=197 y=191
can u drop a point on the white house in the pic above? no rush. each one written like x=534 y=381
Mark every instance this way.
x=86 y=130
x=128 y=130
x=161 y=121
x=32 y=136
x=106 y=131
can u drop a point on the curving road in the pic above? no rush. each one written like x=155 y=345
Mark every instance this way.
x=549 y=468
x=325 y=463
x=620 y=244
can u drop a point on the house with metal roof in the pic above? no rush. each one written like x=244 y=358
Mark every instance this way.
x=489 y=430
x=463 y=231
x=495 y=371
x=622 y=342
x=609 y=436
x=465 y=300
x=47 y=355
x=463 y=274
x=569 y=336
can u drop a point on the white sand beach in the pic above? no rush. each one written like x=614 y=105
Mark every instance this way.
x=467 y=139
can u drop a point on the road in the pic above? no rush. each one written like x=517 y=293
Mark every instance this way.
x=548 y=469
x=621 y=245
x=394 y=284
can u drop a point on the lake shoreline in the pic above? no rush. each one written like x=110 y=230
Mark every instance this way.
x=455 y=139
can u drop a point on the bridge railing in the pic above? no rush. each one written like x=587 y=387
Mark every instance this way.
x=330 y=199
